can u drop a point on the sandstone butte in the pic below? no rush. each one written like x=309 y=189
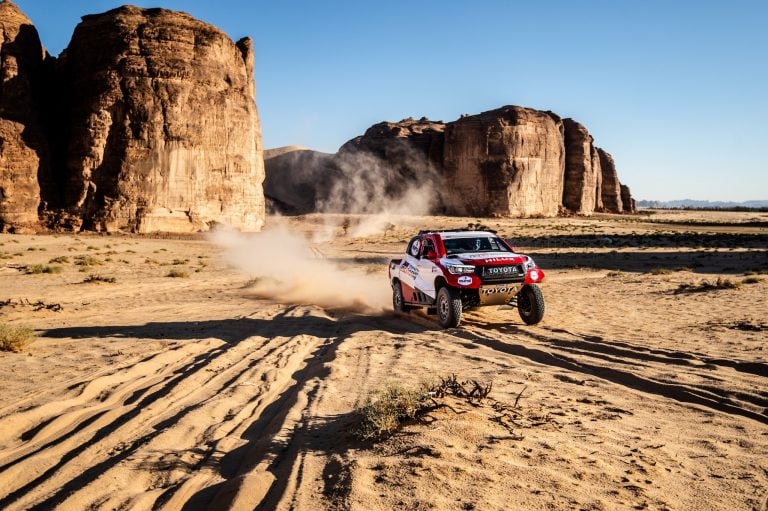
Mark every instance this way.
x=512 y=161
x=152 y=125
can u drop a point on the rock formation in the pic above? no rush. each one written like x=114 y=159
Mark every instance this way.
x=153 y=125
x=164 y=132
x=505 y=162
x=611 y=188
x=23 y=145
x=628 y=204
x=583 y=177
x=512 y=161
x=406 y=143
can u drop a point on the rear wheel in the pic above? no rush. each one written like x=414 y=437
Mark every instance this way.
x=398 y=302
x=530 y=304
x=448 y=307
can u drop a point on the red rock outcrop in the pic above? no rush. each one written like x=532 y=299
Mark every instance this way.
x=583 y=177
x=23 y=143
x=407 y=142
x=164 y=132
x=628 y=204
x=505 y=162
x=611 y=188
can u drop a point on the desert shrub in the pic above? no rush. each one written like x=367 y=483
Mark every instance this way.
x=180 y=261
x=752 y=280
x=177 y=274
x=15 y=338
x=87 y=260
x=385 y=410
x=661 y=271
x=96 y=279
x=41 y=268
x=4 y=255
x=705 y=286
x=59 y=260
x=614 y=274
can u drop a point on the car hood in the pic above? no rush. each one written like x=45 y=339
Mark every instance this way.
x=486 y=258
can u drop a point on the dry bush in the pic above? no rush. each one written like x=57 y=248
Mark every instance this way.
x=385 y=410
x=705 y=286
x=87 y=260
x=15 y=338
x=59 y=260
x=177 y=274
x=660 y=271
x=41 y=268
x=752 y=280
x=96 y=279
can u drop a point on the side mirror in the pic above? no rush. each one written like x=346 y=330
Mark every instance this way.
x=430 y=254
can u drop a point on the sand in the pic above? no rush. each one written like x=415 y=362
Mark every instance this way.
x=206 y=392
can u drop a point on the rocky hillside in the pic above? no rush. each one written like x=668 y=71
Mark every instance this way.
x=23 y=145
x=512 y=161
x=156 y=127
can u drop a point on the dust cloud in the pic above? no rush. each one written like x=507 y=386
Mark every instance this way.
x=286 y=268
x=379 y=191
x=366 y=197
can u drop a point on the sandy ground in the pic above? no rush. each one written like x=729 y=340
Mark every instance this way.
x=153 y=392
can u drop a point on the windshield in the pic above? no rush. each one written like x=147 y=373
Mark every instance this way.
x=479 y=244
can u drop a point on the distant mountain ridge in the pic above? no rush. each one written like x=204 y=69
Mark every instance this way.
x=701 y=204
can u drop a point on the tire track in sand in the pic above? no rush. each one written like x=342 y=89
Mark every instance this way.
x=195 y=405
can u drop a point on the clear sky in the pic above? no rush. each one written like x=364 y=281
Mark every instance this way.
x=677 y=91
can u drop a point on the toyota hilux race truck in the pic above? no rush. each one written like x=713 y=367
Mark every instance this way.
x=450 y=271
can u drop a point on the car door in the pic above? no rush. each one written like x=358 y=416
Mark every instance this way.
x=428 y=270
x=409 y=268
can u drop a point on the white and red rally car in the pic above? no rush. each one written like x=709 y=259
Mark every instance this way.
x=450 y=271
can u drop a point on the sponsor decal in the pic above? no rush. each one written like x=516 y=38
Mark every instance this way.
x=415 y=248
x=465 y=280
x=409 y=269
x=498 y=290
x=500 y=260
x=501 y=270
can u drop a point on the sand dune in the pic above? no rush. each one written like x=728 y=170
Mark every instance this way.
x=197 y=393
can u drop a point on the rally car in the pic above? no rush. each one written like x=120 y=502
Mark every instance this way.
x=450 y=271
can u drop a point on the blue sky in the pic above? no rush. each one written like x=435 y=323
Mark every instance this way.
x=677 y=91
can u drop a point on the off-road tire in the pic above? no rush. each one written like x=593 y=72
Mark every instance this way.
x=398 y=302
x=448 y=307
x=530 y=304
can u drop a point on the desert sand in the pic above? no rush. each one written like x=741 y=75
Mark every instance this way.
x=225 y=389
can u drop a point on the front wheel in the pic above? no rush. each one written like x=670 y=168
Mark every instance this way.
x=530 y=304
x=448 y=307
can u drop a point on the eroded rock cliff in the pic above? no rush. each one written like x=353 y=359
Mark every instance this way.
x=23 y=144
x=628 y=204
x=583 y=177
x=505 y=162
x=611 y=187
x=512 y=161
x=164 y=132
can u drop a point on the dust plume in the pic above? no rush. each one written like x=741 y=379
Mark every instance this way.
x=286 y=268
x=379 y=190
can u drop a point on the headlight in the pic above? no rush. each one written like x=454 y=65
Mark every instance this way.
x=529 y=263
x=458 y=269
